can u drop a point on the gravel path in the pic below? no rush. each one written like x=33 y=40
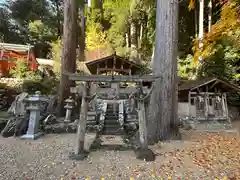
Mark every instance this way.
x=47 y=159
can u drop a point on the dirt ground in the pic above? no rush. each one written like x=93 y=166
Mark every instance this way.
x=202 y=156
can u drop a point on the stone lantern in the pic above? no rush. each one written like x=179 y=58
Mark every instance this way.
x=34 y=107
x=69 y=108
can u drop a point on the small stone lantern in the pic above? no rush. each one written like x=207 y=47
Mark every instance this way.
x=34 y=107
x=69 y=108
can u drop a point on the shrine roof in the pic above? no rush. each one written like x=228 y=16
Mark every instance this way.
x=92 y=64
x=15 y=47
x=194 y=84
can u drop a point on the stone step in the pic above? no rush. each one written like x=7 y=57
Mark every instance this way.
x=111 y=122
x=131 y=120
x=91 y=113
x=112 y=132
x=115 y=125
x=91 y=122
x=109 y=118
x=112 y=112
x=112 y=107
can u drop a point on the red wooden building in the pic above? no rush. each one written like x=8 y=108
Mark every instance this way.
x=10 y=53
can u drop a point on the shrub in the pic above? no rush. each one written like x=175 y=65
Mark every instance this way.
x=20 y=69
x=46 y=86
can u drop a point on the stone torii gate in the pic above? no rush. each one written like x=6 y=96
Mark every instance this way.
x=79 y=152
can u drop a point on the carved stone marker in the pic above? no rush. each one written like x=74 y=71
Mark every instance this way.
x=33 y=131
x=69 y=107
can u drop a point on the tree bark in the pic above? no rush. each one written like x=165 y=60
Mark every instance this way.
x=209 y=15
x=82 y=33
x=68 y=60
x=201 y=27
x=196 y=19
x=163 y=102
x=128 y=36
x=201 y=21
x=134 y=41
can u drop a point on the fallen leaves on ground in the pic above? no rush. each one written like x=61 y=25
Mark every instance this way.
x=209 y=155
x=218 y=154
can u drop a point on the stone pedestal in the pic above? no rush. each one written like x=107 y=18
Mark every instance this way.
x=33 y=131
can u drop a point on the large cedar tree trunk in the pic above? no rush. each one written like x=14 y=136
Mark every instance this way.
x=82 y=33
x=201 y=22
x=68 y=60
x=134 y=41
x=209 y=15
x=196 y=18
x=163 y=102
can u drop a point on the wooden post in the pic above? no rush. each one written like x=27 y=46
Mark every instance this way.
x=114 y=62
x=189 y=104
x=224 y=106
x=98 y=69
x=206 y=105
x=142 y=125
x=130 y=70
x=82 y=122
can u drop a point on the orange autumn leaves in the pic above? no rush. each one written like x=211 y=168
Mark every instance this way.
x=217 y=154
x=225 y=27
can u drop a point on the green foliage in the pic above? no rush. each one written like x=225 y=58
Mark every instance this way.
x=33 y=80
x=3 y=85
x=186 y=68
x=221 y=50
x=56 y=55
x=117 y=13
x=95 y=37
x=39 y=32
x=46 y=86
x=20 y=70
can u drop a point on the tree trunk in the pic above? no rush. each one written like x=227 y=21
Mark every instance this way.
x=82 y=34
x=163 y=102
x=209 y=15
x=134 y=42
x=68 y=60
x=58 y=19
x=201 y=21
x=201 y=27
x=196 y=18
x=128 y=36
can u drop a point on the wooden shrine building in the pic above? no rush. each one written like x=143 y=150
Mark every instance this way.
x=205 y=99
x=10 y=53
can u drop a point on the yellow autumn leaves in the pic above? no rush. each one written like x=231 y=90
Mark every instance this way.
x=191 y=4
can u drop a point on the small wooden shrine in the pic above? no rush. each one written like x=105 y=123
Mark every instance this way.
x=113 y=64
x=206 y=99
x=106 y=106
